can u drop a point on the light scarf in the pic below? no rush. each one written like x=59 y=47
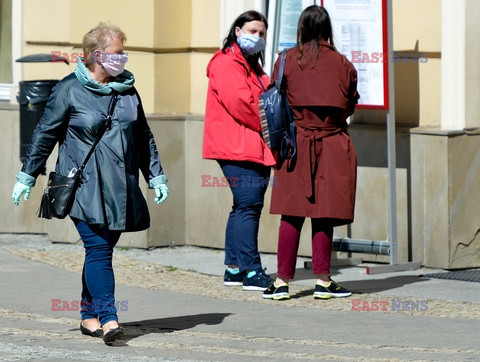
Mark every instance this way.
x=120 y=83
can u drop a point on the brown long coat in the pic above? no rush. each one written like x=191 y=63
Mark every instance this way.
x=321 y=181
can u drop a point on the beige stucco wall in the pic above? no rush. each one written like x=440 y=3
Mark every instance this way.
x=418 y=84
x=472 y=70
x=418 y=22
x=15 y=219
x=136 y=19
x=206 y=25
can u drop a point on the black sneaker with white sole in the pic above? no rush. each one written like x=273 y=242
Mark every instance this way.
x=333 y=290
x=258 y=281
x=231 y=279
x=276 y=293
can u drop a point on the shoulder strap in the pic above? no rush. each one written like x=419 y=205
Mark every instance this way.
x=108 y=122
x=282 y=67
x=278 y=81
x=261 y=83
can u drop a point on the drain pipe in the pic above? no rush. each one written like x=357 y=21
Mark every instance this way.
x=361 y=246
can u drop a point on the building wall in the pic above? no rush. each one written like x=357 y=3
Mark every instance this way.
x=445 y=198
x=417 y=28
x=170 y=43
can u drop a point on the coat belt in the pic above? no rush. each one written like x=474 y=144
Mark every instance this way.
x=313 y=136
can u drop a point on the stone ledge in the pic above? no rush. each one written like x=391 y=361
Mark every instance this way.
x=436 y=131
x=7 y=106
x=175 y=117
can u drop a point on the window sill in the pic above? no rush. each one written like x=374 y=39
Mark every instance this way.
x=6 y=105
x=5 y=91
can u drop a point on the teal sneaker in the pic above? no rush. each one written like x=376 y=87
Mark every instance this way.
x=258 y=281
x=231 y=279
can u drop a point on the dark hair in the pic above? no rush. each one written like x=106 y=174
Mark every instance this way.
x=314 y=25
x=231 y=38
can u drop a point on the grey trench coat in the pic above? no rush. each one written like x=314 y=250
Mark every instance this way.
x=109 y=193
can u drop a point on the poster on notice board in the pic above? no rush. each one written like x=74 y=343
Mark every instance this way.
x=360 y=33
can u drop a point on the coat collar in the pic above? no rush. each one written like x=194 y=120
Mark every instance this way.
x=237 y=53
x=326 y=44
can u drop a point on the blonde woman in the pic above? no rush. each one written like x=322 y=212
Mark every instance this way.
x=108 y=200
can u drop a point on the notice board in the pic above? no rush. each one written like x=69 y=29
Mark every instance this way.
x=360 y=33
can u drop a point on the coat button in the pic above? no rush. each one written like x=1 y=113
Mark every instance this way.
x=115 y=123
x=121 y=164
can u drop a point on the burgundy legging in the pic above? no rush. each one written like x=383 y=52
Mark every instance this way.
x=289 y=239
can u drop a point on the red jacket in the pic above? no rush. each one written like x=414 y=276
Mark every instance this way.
x=232 y=123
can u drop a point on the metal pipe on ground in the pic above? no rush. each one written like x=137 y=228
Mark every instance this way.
x=361 y=246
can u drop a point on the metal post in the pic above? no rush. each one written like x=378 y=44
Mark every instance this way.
x=392 y=164
x=391 y=144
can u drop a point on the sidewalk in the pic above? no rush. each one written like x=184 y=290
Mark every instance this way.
x=186 y=314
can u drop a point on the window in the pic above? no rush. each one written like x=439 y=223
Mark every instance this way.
x=282 y=21
x=6 y=76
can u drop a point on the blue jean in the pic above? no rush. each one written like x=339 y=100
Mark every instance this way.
x=98 y=281
x=248 y=183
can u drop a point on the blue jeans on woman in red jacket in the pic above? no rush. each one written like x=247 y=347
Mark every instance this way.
x=248 y=182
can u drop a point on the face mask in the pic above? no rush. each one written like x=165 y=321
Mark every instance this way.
x=114 y=64
x=250 y=44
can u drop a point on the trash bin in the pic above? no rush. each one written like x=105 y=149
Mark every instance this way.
x=32 y=98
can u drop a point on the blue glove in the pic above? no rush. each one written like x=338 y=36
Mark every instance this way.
x=161 y=191
x=18 y=190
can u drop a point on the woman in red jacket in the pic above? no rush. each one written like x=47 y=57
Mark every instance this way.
x=232 y=136
x=321 y=87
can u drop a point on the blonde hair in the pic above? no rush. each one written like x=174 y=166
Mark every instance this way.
x=99 y=38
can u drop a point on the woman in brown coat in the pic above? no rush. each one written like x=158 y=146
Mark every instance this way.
x=321 y=87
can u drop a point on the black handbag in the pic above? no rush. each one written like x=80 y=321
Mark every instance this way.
x=58 y=196
x=278 y=128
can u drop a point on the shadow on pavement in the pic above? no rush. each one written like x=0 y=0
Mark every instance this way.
x=168 y=325
x=370 y=286
x=379 y=285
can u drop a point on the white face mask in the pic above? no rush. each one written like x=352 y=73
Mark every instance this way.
x=114 y=63
x=250 y=44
